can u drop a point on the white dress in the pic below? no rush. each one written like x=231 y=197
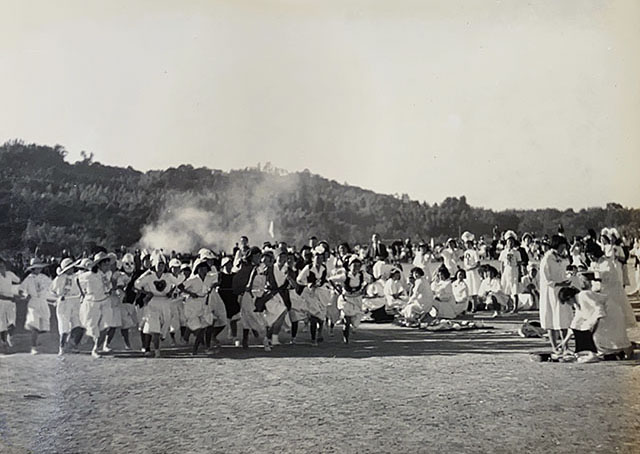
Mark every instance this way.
x=38 y=286
x=65 y=288
x=450 y=260
x=553 y=314
x=156 y=315
x=197 y=314
x=491 y=289
x=421 y=299
x=95 y=287
x=444 y=299
x=315 y=302
x=215 y=303
x=471 y=261
x=7 y=306
x=461 y=295
x=611 y=285
x=391 y=288
x=510 y=259
x=610 y=335
x=350 y=300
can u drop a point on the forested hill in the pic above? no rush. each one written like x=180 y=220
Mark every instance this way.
x=47 y=201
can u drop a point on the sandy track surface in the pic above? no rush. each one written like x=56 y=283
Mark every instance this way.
x=391 y=390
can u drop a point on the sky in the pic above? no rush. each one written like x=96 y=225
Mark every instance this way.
x=515 y=104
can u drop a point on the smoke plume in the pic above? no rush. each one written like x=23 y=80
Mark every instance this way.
x=245 y=204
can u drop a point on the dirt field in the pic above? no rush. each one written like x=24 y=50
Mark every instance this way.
x=391 y=390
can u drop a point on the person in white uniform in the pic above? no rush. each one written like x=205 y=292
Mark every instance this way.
x=95 y=287
x=7 y=304
x=471 y=266
x=68 y=300
x=510 y=260
x=197 y=314
x=450 y=256
x=158 y=286
x=37 y=287
x=312 y=277
x=554 y=317
x=421 y=300
x=352 y=287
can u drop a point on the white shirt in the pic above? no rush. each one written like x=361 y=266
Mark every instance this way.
x=38 y=286
x=196 y=285
x=392 y=288
x=471 y=259
x=151 y=283
x=66 y=286
x=94 y=286
x=460 y=291
x=6 y=285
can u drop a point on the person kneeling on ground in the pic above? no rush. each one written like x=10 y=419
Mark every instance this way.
x=421 y=300
x=597 y=326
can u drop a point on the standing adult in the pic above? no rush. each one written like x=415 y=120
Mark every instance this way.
x=554 y=317
x=377 y=251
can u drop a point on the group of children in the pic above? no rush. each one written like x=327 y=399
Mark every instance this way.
x=261 y=292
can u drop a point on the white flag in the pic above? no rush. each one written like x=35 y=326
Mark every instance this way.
x=271 y=233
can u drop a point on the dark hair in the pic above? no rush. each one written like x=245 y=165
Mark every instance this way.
x=445 y=272
x=566 y=293
x=592 y=248
x=417 y=270
x=491 y=270
x=464 y=273
x=346 y=246
x=557 y=241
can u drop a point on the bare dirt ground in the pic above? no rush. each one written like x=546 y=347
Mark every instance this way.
x=391 y=390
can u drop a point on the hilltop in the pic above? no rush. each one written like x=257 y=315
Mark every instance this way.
x=47 y=201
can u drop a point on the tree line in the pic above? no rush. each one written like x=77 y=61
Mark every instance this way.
x=48 y=202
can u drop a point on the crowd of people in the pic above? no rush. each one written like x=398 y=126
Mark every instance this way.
x=260 y=292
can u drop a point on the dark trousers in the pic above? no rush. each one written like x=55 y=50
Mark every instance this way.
x=584 y=341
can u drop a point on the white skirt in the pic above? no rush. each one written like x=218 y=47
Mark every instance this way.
x=510 y=282
x=473 y=281
x=38 y=315
x=176 y=317
x=412 y=310
x=68 y=314
x=553 y=314
x=217 y=308
x=197 y=315
x=250 y=319
x=156 y=315
x=7 y=314
x=91 y=317
x=274 y=309
x=298 y=310
x=314 y=305
x=351 y=306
